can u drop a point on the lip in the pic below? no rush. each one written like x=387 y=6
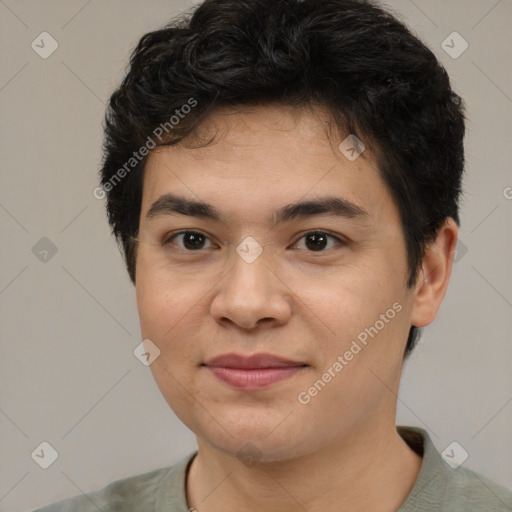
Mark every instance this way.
x=254 y=361
x=252 y=372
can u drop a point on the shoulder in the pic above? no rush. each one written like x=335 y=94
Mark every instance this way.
x=444 y=486
x=120 y=496
x=138 y=493
x=475 y=492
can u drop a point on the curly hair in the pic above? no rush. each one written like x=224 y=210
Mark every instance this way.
x=376 y=78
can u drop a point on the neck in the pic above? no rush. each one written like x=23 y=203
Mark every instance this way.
x=371 y=469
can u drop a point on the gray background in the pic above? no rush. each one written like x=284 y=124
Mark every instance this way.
x=69 y=324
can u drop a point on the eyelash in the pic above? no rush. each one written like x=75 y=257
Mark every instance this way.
x=167 y=241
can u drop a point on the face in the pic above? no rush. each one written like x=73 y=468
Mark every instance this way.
x=318 y=295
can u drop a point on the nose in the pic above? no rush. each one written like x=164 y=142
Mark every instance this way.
x=251 y=295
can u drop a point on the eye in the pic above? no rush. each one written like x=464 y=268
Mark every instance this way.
x=194 y=241
x=191 y=240
x=317 y=241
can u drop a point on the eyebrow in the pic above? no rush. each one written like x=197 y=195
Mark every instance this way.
x=170 y=204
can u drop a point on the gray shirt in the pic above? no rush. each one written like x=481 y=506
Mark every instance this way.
x=438 y=488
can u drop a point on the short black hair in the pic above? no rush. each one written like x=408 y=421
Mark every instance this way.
x=376 y=78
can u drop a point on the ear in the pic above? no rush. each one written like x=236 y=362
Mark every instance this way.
x=434 y=275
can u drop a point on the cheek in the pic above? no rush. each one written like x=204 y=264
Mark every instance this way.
x=366 y=312
x=162 y=298
x=155 y=306
x=170 y=313
x=168 y=317
x=345 y=302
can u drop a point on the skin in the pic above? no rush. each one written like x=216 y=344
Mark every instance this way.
x=340 y=451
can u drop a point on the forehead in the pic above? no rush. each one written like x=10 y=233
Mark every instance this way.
x=265 y=157
x=228 y=130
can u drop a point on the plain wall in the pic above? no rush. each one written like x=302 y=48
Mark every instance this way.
x=69 y=325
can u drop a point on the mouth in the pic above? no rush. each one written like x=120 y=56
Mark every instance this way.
x=252 y=372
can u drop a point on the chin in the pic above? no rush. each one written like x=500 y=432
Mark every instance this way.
x=268 y=441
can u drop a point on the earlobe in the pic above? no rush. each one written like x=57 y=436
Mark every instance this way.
x=435 y=275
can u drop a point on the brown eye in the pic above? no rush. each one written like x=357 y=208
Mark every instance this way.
x=190 y=240
x=318 y=241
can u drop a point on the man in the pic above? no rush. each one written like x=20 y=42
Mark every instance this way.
x=284 y=179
